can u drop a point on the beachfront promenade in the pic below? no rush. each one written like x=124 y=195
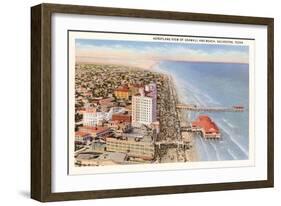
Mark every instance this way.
x=173 y=143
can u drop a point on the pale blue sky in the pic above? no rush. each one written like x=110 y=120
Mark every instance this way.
x=139 y=45
x=161 y=50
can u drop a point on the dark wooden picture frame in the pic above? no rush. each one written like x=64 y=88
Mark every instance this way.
x=41 y=96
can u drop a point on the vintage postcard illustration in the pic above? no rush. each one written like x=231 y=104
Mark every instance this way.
x=152 y=99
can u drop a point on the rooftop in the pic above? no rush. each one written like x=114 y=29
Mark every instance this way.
x=205 y=122
x=114 y=156
x=81 y=134
x=122 y=89
x=93 y=129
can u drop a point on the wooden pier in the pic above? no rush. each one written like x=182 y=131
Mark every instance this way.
x=195 y=108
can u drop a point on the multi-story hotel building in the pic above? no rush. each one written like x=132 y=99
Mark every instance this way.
x=93 y=118
x=144 y=106
x=140 y=148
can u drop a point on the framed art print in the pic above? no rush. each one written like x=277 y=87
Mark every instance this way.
x=138 y=102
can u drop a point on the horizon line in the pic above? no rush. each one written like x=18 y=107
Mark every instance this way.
x=192 y=61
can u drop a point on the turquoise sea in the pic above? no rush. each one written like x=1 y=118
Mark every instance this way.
x=215 y=84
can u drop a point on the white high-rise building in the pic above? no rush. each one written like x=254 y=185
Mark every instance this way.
x=144 y=106
x=92 y=118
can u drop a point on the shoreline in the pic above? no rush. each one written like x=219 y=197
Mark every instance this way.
x=171 y=120
x=170 y=117
x=169 y=78
x=192 y=154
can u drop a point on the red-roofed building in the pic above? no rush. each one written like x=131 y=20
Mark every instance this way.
x=82 y=137
x=103 y=101
x=122 y=117
x=106 y=101
x=96 y=132
x=205 y=125
x=122 y=92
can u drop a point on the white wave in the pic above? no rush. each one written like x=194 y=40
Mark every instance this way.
x=228 y=123
x=185 y=89
x=216 y=151
x=198 y=100
x=230 y=135
x=232 y=154
x=210 y=100
x=188 y=93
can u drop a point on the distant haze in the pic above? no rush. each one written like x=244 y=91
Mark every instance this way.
x=147 y=54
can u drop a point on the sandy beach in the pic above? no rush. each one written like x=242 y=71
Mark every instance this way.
x=171 y=120
x=191 y=153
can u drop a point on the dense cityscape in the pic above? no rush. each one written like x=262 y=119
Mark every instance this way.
x=127 y=115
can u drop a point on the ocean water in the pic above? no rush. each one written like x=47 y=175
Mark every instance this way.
x=215 y=84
